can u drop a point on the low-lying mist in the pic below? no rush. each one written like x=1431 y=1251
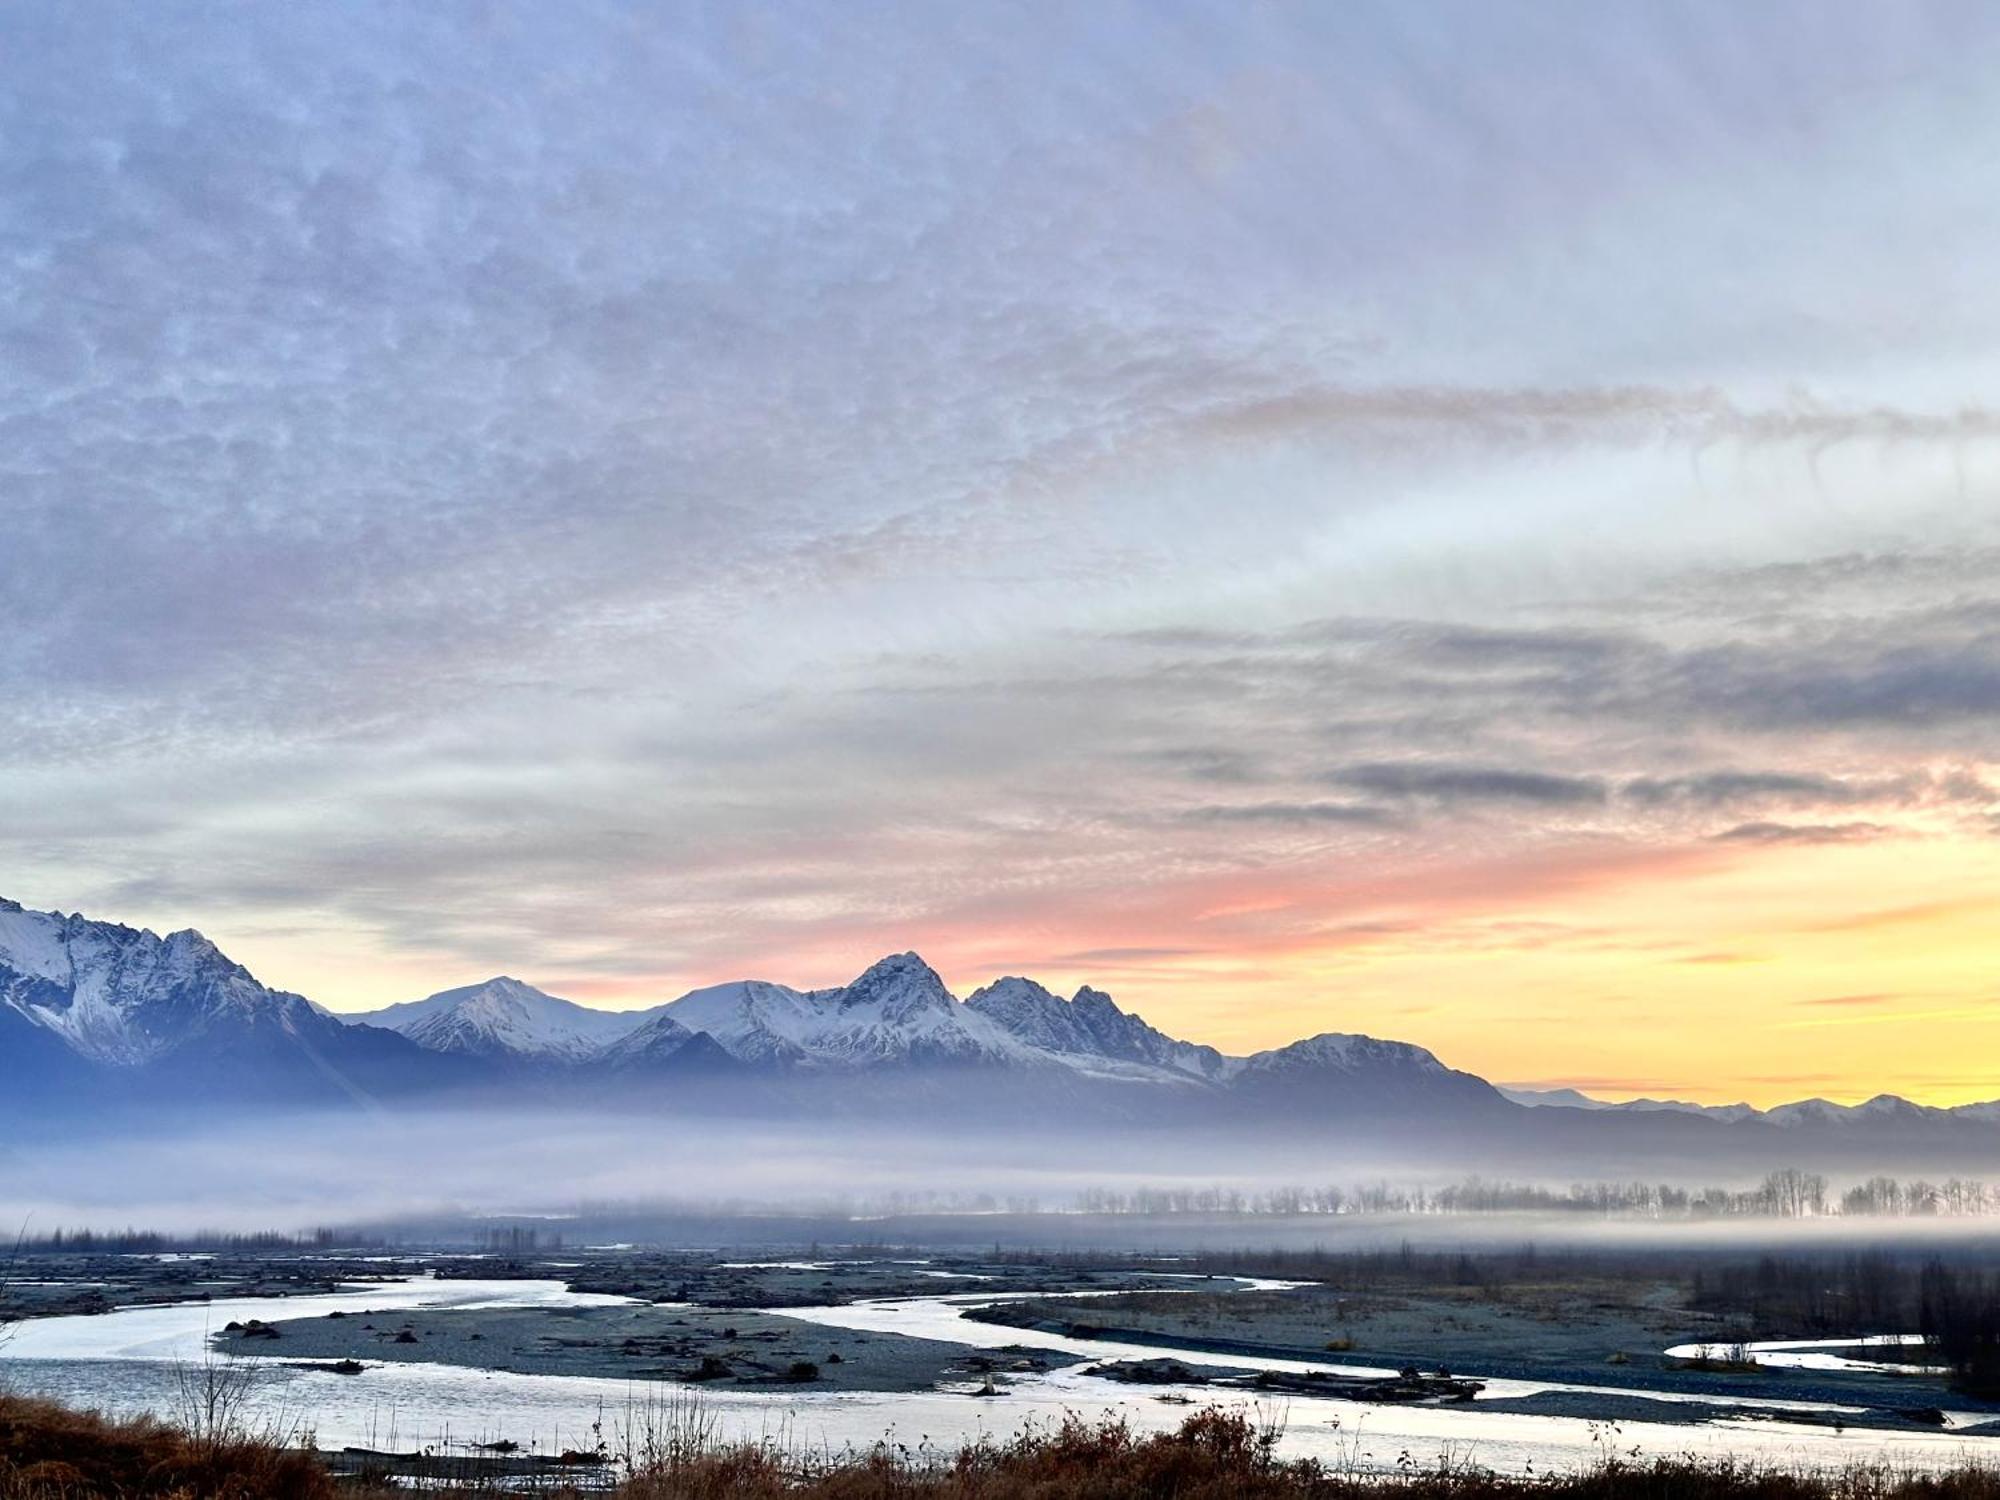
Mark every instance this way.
x=443 y=1174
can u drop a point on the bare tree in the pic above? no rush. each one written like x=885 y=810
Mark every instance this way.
x=212 y=1400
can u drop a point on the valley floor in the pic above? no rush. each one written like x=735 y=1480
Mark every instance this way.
x=1014 y=1338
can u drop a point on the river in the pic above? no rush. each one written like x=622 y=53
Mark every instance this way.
x=133 y=1360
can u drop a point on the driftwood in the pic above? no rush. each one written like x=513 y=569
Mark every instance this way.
x=463 y=1468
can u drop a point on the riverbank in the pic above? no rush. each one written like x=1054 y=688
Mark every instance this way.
x=1606 y=1340
x=47 y=1452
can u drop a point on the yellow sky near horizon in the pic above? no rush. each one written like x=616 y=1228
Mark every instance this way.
x=1839 y=970
x=1701 y=971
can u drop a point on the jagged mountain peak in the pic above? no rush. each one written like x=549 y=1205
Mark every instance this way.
x=897 y=1009
x=195 y=944
x=1011 y=985
x=901 y=980
x=126 y=996
x=1089 y=1025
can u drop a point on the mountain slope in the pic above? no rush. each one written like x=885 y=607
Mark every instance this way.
x=661 y=1041
x=144 y=1014
x=39 y=1071
x=1554 y=1099
x=504 y=1018
x=1344 y=1074
x=125 y=997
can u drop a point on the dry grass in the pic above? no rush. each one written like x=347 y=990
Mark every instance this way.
x=49 y=1453
x=1220 y=1456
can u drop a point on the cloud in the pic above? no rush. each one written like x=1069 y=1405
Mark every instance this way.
x=1122 y=955
x=1351 y=813
x=1851 y=683
x=1469 y=784
x=1618 y=414
x=1802 y=833
x=649 y=497
x=1712 y=789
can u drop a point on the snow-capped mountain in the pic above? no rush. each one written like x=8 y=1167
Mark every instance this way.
x=136 y=1015
x=125 y=996
x=1803 y=1114
x=504 y=1018
x=96 y=1016
x=1342 y=1052
x=1883 y=1109
x=897 y=1012
x=1089 y=1029
x=1339 y=1073
x=1688 y=1107
x=1339 y=1052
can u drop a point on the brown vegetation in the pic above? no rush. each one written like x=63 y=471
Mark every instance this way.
x=48 y=1453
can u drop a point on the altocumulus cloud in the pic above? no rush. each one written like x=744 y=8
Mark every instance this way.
x=647 y=491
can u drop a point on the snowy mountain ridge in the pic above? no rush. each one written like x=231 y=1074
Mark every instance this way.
x=124 y=996
x=118 y=999
x=1089 y=1026
x=503 y=1017
x=898 y=1010
x=1882 y=1109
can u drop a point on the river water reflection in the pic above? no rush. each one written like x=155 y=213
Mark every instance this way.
x=128 y=1361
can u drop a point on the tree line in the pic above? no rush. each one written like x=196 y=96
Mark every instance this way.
x=155 y=1242
x=1787 y=1193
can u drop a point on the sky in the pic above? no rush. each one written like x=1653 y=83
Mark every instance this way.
x=1472 y=523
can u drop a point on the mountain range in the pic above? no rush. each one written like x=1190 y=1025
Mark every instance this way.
x=95 y=1016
